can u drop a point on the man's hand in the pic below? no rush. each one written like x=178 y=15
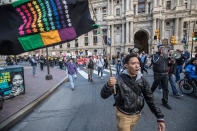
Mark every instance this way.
x=112 y=81
x=161 y=126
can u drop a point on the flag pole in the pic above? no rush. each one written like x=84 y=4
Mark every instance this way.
x=104 y=46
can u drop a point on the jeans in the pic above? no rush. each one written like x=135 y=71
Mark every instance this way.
x=90 y=72
x=100 y=69
x=164 y=84
x=118 y=68
x=71 y=79
x=173 y=84
x=41 y=66
x=179 y=69
x=34 y=70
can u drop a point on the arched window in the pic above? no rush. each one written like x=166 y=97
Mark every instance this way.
x=141 y=6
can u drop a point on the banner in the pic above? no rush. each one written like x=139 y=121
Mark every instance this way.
x=12 y=81
x=27 y=25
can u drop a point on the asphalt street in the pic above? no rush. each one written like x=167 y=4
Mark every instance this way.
x=84 y=110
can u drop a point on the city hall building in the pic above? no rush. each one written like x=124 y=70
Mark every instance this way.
x=125 y=24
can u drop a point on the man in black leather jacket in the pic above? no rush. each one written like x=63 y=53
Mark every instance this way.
x=131 y=90
x=160 y=68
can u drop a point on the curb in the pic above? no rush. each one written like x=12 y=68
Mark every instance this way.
x=12 y=120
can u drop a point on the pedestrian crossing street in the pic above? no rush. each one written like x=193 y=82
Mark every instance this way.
x=84 y=73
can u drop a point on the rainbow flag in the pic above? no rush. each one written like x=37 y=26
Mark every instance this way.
x=28 y=25
x=80 y=51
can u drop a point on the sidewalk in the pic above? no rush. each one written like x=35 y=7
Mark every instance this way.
x=36 y=90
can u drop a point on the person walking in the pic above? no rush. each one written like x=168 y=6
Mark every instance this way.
x=90 y=67
x=41 y=62
x=100 y=64
x=172 y=77
x=33 y=63
x=180 y=63
x=143 y=60
x=131 y=90
x=72 y=72
x=61 y=62
x=160 y=69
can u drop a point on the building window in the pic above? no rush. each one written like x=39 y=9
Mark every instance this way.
x=95 y=41
x=68 y=45
x=60 y=45
x=141 y=6
x=149 y=7
x=185 y=25
x=104 y=10
x=95 y=52
x=118 y=12
x=168 y=5
x=76 y=42
x=95 y=10
x=117 y=1
x=134 y=9
x=105 y=35
x=86 y=39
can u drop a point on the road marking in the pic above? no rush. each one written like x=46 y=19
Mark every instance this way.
x=107 y=70
x=83 y=73
x=96 y=72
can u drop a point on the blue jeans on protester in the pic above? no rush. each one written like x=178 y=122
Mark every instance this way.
x=34 y=70
x=173 y=84
x=100 y=69
x=178 y=72
x=71 y=79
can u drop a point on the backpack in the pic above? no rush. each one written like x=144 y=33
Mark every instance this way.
x=90 y=64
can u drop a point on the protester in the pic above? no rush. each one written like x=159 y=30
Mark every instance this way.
x=143 y=60
x=172 y=77
x=33 y=62
x=118 y=65
x=61 y=62
x=160 y=69
x=131 y=90
x=180 y=62
x=191 y=69
x=41 y=62
x=90 y=67
x=72 y=72
x=100 y=64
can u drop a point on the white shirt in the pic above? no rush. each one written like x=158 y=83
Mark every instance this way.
x=100 y=63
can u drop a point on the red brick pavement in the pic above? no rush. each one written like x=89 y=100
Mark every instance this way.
x=35 y=87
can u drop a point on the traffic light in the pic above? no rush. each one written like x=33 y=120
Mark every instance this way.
x=157 y=34
x=173 y=40
x=194 y=36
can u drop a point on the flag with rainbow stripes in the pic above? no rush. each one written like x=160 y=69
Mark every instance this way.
x=28 y=25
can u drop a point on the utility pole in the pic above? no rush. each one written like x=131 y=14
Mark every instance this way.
x=48 y=76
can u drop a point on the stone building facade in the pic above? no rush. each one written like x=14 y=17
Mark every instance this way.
x=132 y=23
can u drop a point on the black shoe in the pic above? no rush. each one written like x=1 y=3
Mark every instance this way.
x=167 y=106
x=73 y=89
